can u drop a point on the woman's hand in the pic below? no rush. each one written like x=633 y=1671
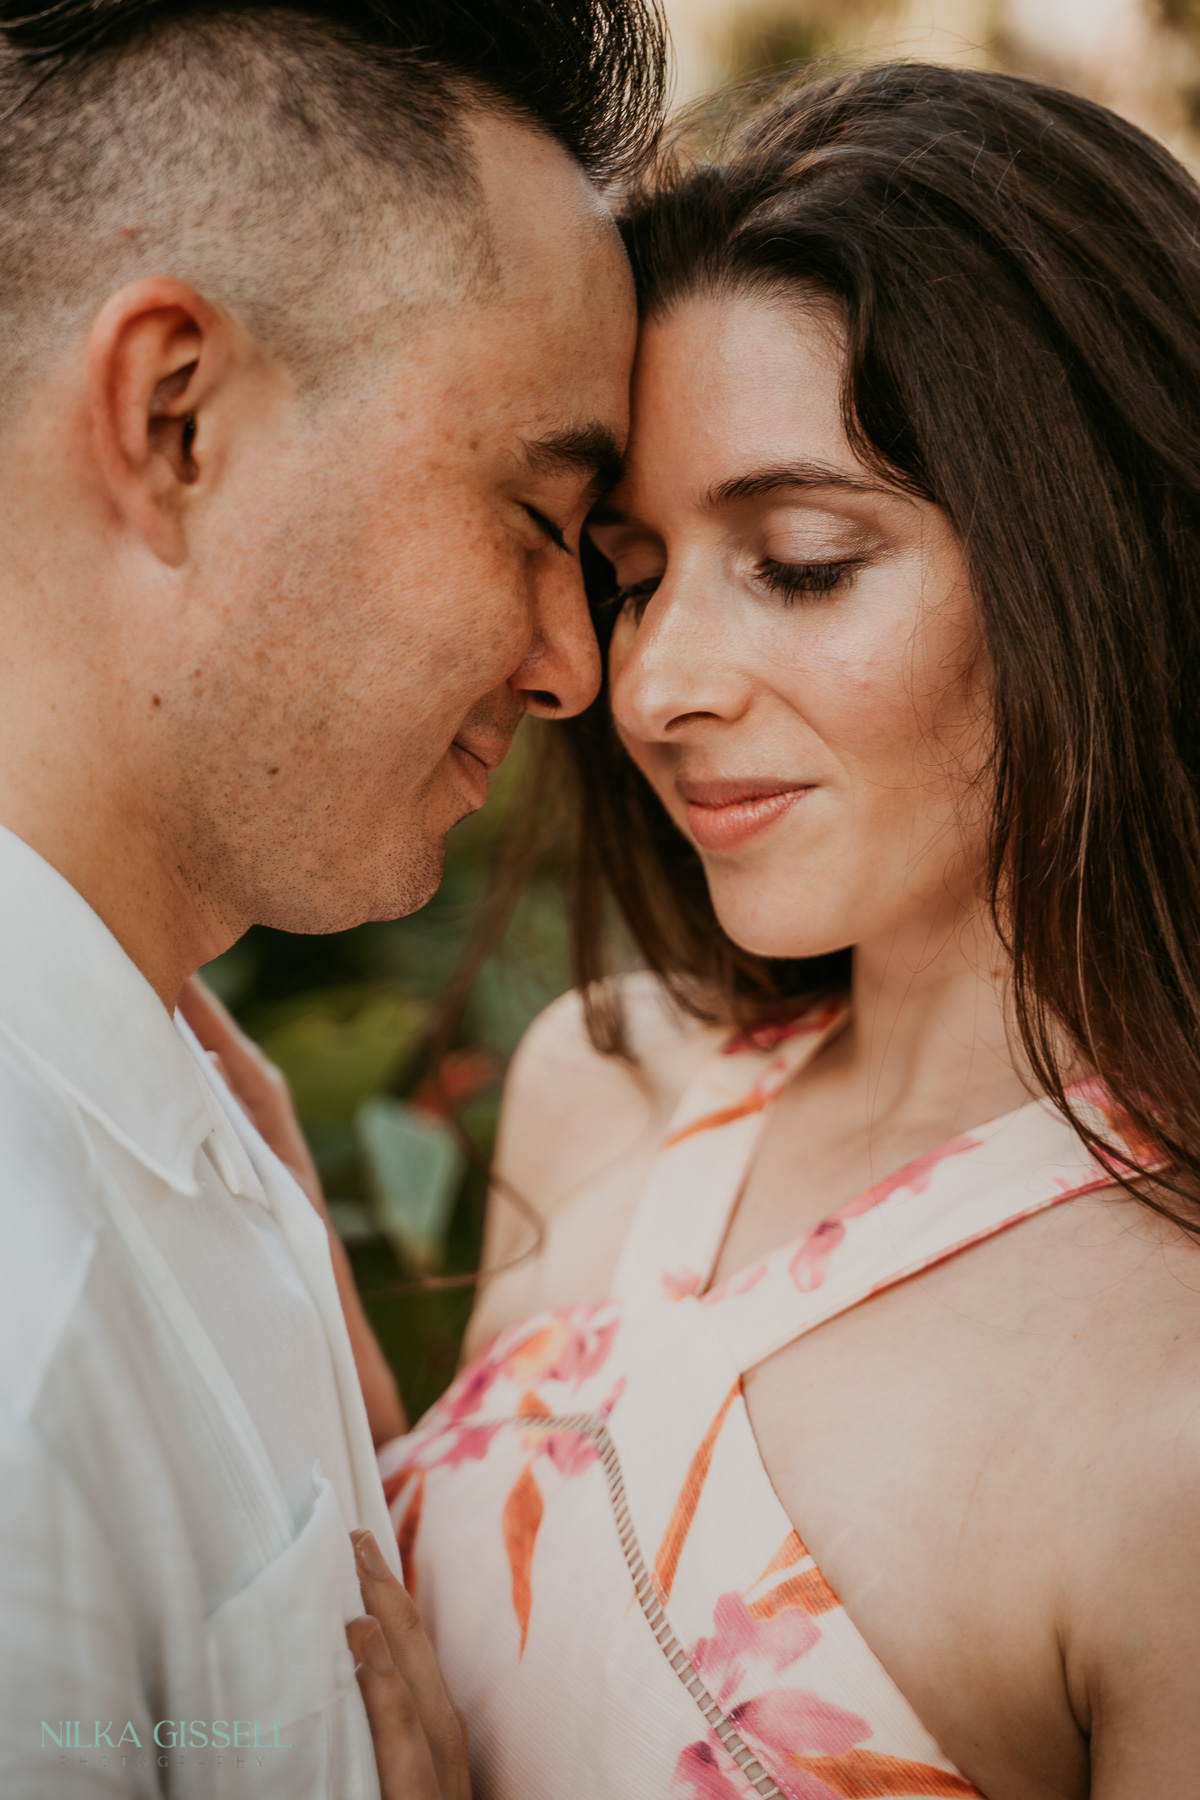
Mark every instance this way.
x=419 y=1734
x=262 y=1092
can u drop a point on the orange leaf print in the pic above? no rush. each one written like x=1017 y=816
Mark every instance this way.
x=532 y=1406
x=792 y=1550
x=809 y=1591
x=754 y=1102
x=537 y=1354
x=675 y=1536
x=406 y=1535
x=395 y=1484
x=520 y=1522
x=864 y=1774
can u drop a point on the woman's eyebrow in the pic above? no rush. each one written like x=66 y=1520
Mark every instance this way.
x=802 y=475
x=754 y=485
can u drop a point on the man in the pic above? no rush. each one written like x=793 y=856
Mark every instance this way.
x=315 y=348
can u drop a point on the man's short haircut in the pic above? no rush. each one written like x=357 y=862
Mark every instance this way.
x=283 y=158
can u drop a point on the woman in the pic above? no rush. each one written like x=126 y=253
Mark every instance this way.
x=902 y=657
x=842 y=1437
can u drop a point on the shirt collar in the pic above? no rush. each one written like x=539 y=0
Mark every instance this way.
x=72 y=1000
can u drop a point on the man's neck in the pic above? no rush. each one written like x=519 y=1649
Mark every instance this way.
x=120 y=866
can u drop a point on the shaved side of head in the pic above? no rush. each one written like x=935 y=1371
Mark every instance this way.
x=261 y=159
x=304 y=166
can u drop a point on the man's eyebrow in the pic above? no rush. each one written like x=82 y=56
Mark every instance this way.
x=590 y=448
x=803 y=475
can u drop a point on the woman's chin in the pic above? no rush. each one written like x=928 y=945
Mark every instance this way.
x=780 y=939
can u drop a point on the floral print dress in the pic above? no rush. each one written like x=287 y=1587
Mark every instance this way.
x=618 y=1600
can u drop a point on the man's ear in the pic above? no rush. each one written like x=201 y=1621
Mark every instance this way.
x=157 y=355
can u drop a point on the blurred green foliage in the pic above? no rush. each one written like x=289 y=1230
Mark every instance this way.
x=347 y=1017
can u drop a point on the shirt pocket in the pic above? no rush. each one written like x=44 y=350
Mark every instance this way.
x=282 y=1676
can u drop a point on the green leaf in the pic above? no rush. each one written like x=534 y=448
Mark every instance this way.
x=415 y=1167
x=339 y=1045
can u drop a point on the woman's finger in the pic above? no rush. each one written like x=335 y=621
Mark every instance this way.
x=402 y=1755
x=412 y=1654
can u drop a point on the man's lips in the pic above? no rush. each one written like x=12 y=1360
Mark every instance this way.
x=723 y=815
x=475 y=763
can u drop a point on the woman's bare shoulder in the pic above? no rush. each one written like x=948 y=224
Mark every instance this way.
x=559 y=1074
x=577 y=1130
x=1130 y=1571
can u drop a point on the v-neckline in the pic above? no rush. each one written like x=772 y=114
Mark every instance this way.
x=702 y=1164
x=876 y=1195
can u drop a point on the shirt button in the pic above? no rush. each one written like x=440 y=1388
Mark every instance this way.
x=343 y=1667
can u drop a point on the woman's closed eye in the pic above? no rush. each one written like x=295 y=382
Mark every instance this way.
x=792 y=580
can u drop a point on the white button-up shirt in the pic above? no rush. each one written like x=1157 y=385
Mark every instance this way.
x=183 y=1443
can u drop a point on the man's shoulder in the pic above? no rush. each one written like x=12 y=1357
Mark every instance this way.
x=43 y=1146
x=48 y=1220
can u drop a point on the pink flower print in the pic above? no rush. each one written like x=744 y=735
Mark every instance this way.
x=745 y=1657
x=468 y=1393
x=571 y=1452
x=706 y=1771
x=536 y=1355
x=680 y=1284
x=571 y=1346
x=738 y=1284
x=914 y=1177
x=794 y=1723
x=467 y=1443
x=742 y=1646
x=810 y=1263
x=773 y=1032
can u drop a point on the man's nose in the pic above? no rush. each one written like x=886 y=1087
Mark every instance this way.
x=561 y=674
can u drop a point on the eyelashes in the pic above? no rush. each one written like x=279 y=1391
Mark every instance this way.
x=791 y=581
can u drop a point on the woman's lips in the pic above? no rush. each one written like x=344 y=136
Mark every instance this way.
x=723 y=815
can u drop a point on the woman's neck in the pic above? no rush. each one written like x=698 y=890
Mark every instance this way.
x=930 y=1031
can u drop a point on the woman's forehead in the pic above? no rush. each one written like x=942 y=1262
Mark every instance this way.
x=724 y=385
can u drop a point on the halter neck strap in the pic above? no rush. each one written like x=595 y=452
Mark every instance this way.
x=942 y=1202
x=702 y=1162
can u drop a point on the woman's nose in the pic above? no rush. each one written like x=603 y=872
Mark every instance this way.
x=674 y=666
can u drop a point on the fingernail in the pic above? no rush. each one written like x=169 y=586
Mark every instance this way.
x=369 y=1555
x=376 y=1651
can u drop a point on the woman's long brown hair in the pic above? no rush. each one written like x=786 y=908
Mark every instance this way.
x=1018 y=271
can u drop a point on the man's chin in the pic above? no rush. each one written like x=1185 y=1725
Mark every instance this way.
x=363 y=890
x=416 y=878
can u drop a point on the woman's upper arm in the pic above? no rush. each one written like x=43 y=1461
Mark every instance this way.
x=1144 y=1622
x=556 y=1096
x=575 y=1126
